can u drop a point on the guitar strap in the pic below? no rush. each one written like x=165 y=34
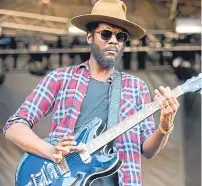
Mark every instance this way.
x=115 y=98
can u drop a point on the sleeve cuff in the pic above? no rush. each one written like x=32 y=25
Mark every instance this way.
x=16 y=120
x=146 y=134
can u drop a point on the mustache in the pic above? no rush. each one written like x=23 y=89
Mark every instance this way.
x=113 y=48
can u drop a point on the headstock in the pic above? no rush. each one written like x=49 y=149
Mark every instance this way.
x=192 y=85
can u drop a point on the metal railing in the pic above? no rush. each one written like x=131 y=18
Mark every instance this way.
x=86 y=49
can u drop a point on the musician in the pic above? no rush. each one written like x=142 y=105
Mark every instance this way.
x=78 y=93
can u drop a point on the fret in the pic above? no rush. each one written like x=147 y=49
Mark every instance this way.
x=150 y=108
x=177 y=91
x=141 y=113
x=145 y=112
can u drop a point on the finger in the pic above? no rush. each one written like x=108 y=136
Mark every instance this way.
x=168 y=110
x=160 y=98
x=166 y=92
x=68 y=138
x=77 y=148
x=65 y=150
x=57 y=157
x=68 y=143
x=158 y=92
x=160 y=101
x=176 y=102
x=162 y=89
x=60 y=153
x=172 y=105
x=171 y=99
x=168 y=96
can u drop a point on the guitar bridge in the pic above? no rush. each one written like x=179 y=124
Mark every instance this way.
x=64 y=168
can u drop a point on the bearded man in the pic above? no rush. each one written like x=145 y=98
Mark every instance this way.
x=76 y=94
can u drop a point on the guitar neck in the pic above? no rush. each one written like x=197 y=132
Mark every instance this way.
x=126 y=124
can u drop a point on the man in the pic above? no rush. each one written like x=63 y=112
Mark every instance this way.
x=76 y=94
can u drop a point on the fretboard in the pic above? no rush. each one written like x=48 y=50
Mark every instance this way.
x=126 y=124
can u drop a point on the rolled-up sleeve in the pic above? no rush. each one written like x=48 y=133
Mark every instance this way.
x=147 y=126
x=37 y=104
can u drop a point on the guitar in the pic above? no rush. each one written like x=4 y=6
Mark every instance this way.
x=81 y=169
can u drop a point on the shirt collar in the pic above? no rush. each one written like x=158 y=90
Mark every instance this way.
x=86 y=67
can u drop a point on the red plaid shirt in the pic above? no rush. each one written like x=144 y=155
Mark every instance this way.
x=63 y=90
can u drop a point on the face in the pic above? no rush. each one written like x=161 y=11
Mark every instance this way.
x=106 y=50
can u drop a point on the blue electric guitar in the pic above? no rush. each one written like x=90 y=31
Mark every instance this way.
x=81 y=169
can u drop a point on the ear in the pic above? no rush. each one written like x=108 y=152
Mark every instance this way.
x=89 y=37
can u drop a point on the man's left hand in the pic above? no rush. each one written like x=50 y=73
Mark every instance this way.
x=169 y=106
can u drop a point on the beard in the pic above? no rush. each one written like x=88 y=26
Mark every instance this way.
x=103 y=60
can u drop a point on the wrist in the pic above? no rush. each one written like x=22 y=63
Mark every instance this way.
x=165 y=131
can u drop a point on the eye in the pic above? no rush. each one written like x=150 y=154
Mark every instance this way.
x=122 y=37
x=106 y=34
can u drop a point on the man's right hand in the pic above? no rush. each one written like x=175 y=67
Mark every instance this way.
x=64 y=147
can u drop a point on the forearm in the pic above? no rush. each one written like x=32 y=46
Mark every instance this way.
x=154 y=144
x=169 y=106
x=25 y=138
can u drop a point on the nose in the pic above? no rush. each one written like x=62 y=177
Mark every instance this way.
x=113 y=39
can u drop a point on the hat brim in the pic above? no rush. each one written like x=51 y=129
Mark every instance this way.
x=135 y=31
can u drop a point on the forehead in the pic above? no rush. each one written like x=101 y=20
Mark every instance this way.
x=113 y=28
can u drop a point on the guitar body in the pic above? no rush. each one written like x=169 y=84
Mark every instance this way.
x=36 y=171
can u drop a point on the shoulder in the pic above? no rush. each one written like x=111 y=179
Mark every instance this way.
x=62 y=73
x=69 y=71
x=65 y=70
x=131 y=80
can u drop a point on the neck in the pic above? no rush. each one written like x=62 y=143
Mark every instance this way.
x=97 y=72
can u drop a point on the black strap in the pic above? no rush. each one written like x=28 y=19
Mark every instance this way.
x=114 y=106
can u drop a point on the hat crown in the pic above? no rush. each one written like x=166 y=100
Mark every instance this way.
x=112 y=8
x=109 y=11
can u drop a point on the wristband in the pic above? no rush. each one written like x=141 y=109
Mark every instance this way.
x=166 y=132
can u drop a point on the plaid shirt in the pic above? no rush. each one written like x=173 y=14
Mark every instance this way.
x=63 y=90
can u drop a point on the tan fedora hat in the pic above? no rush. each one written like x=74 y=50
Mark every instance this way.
x=109 y=11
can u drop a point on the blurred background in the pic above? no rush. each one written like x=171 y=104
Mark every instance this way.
x=36 y=37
